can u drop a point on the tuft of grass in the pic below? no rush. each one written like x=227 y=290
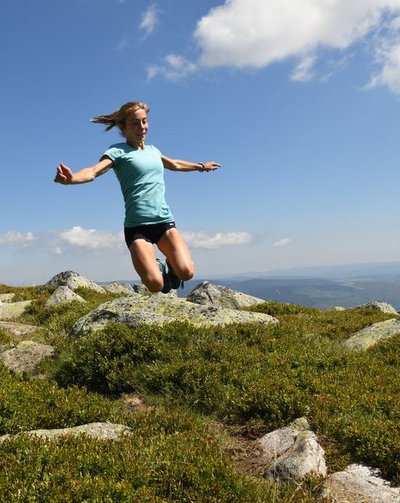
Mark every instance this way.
x=5 y=337
x=22 y=293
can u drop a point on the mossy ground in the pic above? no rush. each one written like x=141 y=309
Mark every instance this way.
x=247 y=379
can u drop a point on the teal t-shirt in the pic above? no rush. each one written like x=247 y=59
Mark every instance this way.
x=141 y=176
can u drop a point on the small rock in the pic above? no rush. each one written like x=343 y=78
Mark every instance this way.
x=219 y=296
x=277 y=442
x=63 y=295
x=98 y=431
x=305 y=457
x=358 y=484
x=292 y=452
x=25 y=356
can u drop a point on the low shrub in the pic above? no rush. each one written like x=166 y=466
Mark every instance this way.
x=40 y=404
x=253 y=374
x=171 y=456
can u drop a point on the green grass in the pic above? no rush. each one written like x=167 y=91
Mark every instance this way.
x=249 y=379
x=170 y=457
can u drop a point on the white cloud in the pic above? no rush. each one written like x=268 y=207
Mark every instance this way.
x=174 y=67
x=90 y=238
x=215 y=240
x=387 y=57
x=258 y=33
x=282 y=242
x=149 y=20
x=17 y=238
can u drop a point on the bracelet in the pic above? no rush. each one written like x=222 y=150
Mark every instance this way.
x=203 y=168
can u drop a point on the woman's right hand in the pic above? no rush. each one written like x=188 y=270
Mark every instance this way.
x=63 y=175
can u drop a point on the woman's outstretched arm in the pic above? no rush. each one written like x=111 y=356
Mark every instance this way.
x=180 y=165
x=65 y=175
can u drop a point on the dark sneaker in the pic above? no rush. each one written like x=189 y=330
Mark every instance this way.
x=163 y=269
x=175 y=281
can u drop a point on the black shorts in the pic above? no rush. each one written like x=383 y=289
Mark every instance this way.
x=150 y=233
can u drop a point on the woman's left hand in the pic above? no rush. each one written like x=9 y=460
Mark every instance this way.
x=211 y=165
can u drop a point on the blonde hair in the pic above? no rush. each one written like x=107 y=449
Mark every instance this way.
x=118 y=117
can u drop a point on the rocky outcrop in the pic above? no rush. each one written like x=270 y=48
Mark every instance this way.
x=119 y=288
x=73 y=280
x=63 y=295
x=291 y=453
x=358 y=484
x=371 y=335
x=159 y=309
x=209 y=294
x=25 y=356
x=384 y=307
x=13 y=310
x=98 y=431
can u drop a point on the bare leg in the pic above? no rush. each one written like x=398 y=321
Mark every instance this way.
x=175 y=249
x=144 y=262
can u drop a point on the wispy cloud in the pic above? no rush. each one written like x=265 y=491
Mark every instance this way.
x=173 y=67
x=17 y=238
x=387 y=58
x=79 y=238
x=149 y=20
x=282 y=242
x=121 y=44
x=90 y=238
x=215 y=240
x=304 y=70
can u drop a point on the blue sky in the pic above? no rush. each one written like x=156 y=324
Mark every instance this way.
x=300 y=102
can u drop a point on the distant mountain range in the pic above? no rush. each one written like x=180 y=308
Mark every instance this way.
x=322 y=287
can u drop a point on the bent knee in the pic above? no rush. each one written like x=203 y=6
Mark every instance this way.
x=186 y=274
x=153 y=284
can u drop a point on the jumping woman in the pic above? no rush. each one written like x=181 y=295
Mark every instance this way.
x=148 y=218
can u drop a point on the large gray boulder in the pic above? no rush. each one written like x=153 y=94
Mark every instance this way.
x=25 y=356
x=73 y=280
x=159 y=309
x=63 y=295
x=371 y=335
x=98 y=431
x=209 y=294
x=291 y=453
x=358 y=484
